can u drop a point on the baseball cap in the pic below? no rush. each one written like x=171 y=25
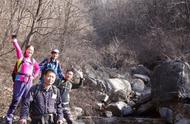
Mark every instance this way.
x=55 y=51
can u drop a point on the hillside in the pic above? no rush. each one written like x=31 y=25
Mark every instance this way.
x=112 y=35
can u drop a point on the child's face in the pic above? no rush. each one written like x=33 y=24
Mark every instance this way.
x=29 y=51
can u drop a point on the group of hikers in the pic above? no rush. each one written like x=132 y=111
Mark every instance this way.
x=46 y=102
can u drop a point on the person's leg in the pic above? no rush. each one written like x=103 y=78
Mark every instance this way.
x=36 y=121
x=26 y=91
x=18 y=90
x=67 y=115
x=23 y=100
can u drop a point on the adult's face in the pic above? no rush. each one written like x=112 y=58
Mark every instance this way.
x=49 y=78
x=69 y=75
x=54 y=55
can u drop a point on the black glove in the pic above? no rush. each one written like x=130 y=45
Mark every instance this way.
x=14 y=36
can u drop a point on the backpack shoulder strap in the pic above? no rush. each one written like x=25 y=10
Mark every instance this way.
x=36 y=90
x=18 y=64
x=33 y=61
x=57 y=63
x=55 y=89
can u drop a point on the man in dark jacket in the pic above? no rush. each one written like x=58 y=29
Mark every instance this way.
x=52 y=63
x=65 y=87
x=43 y=102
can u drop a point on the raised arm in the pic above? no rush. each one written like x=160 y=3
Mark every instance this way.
x=60 y=72
x=18 y=49
x=75 y=85
x=42 y=64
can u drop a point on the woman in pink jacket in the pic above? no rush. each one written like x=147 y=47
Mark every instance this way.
x=28 y=69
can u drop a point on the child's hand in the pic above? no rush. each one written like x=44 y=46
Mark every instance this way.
x=14 y=36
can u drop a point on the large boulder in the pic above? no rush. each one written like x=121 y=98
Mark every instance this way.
x=120 y=95
x=170 y=81
x=120 y=84
x=119 y=109
x=171 y=91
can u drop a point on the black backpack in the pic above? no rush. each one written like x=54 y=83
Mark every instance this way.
x=15 y=70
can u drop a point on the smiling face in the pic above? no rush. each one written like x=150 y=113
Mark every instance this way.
x=54 y=55
x=69 y=75
x=29 y=51
x=49 y=78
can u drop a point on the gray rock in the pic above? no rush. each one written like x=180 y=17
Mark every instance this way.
x=99 y=106
x=120 y=84
x=175 y=112
x=120 y=95
x=144 y=107
x=97 y=84
x=90 y=82
x=102 y=97
x=140 y=69
x=76 y=112
x=138 y=85
x=143 y=96
x=171 y=80
x=104 y=86
x=142 y=77
x=183 y=121
x=119 y=108
x=126 y=110
x=108 y=114
x=167 y=114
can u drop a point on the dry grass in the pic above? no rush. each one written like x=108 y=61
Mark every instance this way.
x=85 y=98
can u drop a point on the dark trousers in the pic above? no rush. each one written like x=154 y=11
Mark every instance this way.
x=20 y=90
x=67 y=114
x=45 y=119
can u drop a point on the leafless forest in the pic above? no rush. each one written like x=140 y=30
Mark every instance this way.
x=109 y=33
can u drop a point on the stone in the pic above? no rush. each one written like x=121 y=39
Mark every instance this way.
x=138 y=85
x=119 y=108
x=126 y=110
x=103 y=86
x=171 y=81
x=142 y=77
x=143 y=108
x=102 y=97
x=76 y=112
x=167 y=114
x=120 y=84
x=108 y=114
x=140 y=69
x=183 y=121
x=120 y=95
x=143 y=96
x=99 y=106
